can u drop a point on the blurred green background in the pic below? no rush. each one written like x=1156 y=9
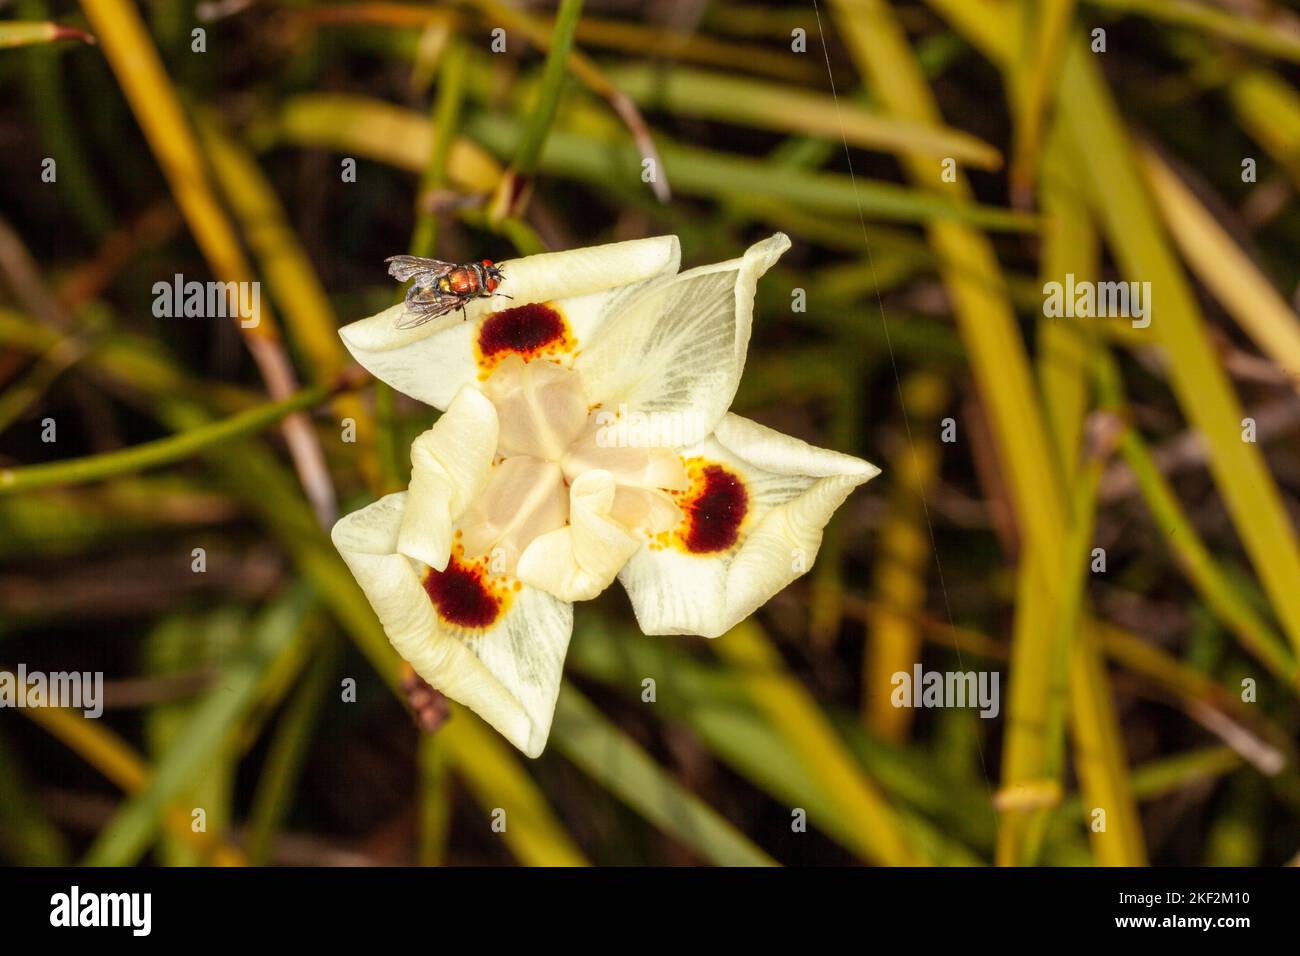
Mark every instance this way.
x=935 y=164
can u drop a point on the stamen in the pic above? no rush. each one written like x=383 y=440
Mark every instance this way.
x=525 y=497
x=549 y=437
x=541 y=407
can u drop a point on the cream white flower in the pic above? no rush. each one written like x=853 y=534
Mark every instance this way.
x=585 y=437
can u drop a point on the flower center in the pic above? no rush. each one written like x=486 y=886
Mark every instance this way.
x=548 y=437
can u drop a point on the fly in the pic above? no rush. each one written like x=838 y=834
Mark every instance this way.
x=441 y=287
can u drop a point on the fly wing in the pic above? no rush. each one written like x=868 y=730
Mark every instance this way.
x=423 y=306
x=402 y=268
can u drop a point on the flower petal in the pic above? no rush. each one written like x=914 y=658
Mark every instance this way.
x=507 y=672
x=449 y=467
x=524 y=498
x=432 y=361
x=577 y=562
x=752 y=531
x=675 y=353
x=631 y=461
x=647 y=510
x=540 y=405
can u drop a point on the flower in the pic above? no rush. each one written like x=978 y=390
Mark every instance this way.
x=585 y=436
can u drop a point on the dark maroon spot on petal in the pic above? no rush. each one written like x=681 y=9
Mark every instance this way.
x=525 y=329
x=714 y=511
x=461 y=595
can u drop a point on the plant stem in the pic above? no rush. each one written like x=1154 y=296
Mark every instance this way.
x=164 y=451
x=548 y=97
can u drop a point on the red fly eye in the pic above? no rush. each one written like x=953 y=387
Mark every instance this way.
x=491 y=284
x=487 y=262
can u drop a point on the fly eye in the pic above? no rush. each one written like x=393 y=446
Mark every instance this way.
x=487 y=262
x=492 y=283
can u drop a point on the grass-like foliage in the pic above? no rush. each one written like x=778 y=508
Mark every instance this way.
x=1099 y=510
